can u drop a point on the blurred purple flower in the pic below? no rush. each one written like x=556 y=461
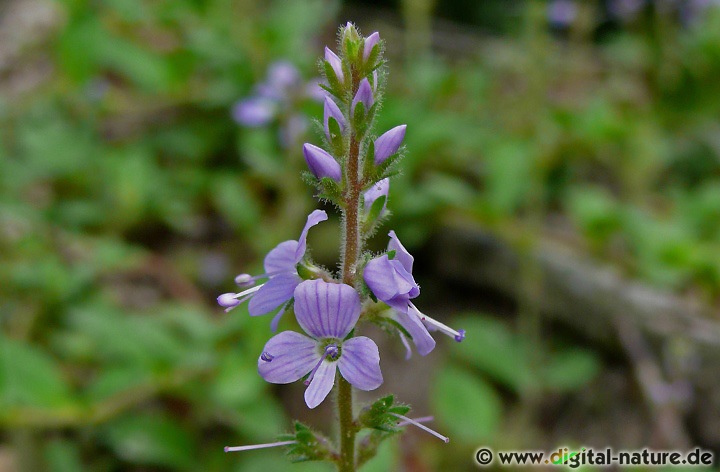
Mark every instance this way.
x=327 y=312
x=278 y=97
x=561 y=13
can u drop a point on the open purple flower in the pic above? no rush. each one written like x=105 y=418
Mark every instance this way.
x=327 y=312
x=280 y=270
x=391 y=281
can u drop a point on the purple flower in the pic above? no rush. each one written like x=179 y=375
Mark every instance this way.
x=281 y=272
x=283 y=77
x=391 y=281
x=321 y=163
x=562 y=13
x=255 y=111
x=370 y=42
x=335 y=63
x=332 y=111
x=389 y=143
x=327 y=313
x=364 y=95
x=379 y=189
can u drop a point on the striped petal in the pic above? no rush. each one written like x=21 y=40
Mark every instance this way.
x=313 y=218
x=281 y=258
x=273 y=293
x=359 y=363
x=321 y=384
x=326 y=310
x=287 y=357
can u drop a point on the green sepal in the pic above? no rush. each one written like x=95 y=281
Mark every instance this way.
x=335 y=86
x=309 y=445
x=359 y=120
x=351 y=48
x=369 y=161
x=336 y=138
x=380 y=415
x=391 y=254
x=376 y=208
x=330 y=190
x=305 y=272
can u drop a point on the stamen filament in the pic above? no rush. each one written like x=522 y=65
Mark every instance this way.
x=442 y=327
x=422 y=426
x=257 y=446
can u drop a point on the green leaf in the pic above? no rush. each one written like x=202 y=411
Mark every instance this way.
x=495 y=350
x=570 y=369
x=29 y=377
x=466 y=405
x=151 y=440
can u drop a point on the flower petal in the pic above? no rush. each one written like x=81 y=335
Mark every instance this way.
x=389 y=281
x=313 y=218
x=321 y=384
x=326 y=310
x=401 y=254
x=281 y=258
x=293 y=356
x=273 y=293
x=420 y=335
x=360 y=363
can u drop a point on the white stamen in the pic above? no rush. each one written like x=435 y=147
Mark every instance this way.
x=442 y=327
x=248 y=291
x=257 y=446
x=422 y=419
x=422 y=426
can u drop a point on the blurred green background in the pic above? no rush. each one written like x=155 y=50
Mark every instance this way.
x=130 y=198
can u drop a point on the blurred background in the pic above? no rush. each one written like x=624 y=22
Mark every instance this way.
x=561 y=194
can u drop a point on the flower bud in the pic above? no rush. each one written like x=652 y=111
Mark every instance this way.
x=364 y=95
x=321 y=163
x=379 y=189
x=332 y=111
x=389 y=143
x=335 y=63
x=370 y=42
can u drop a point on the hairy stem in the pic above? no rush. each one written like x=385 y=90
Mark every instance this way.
x=351 y=249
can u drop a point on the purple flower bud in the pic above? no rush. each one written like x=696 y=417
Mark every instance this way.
x=254 y=112
x=321 y=163
x=389 y=143
x=335 y=63
x=370 y=43
x=228 y=300
x=332 y=111
x=380 y=189
x=364 y=95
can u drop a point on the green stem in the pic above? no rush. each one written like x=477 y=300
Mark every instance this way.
x=347 y=426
